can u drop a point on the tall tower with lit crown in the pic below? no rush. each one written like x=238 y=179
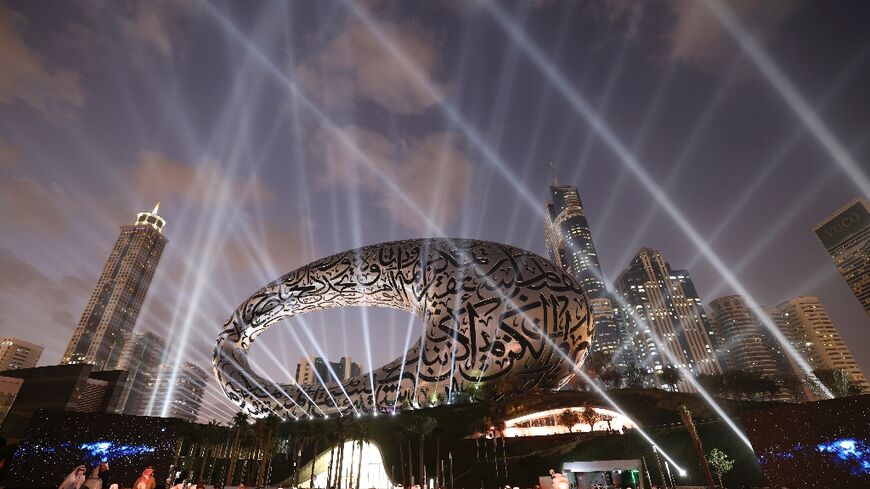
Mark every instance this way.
x=110 y=315
x=569 y=243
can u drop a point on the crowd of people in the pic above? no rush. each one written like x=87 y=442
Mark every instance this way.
x=101 y=478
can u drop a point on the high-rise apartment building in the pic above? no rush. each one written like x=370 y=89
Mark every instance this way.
x=185 y=392
x=142 y=357
x=665 y=312
x=16 y=353
x=570 y=246
x=311 y=370
x=808 y=328
x=110 y=315
x=746 y=344
x=846 y=236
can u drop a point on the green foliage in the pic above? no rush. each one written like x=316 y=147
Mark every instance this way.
x=596 y=363
x=720 y=464
x=838 y=381
x=568 y=418
x=740 y=384
x=669 y=376
x=612 y=378
x=634 y=377
x=590 y=416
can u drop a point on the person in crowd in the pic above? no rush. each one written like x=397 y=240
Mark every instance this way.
x=75 y=479
x=559 y=480
x=105 y=473
x=98 y=477
x=146 y=480
x=93 y=481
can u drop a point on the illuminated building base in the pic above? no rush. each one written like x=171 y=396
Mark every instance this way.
x=543 y=423
x=368 y=462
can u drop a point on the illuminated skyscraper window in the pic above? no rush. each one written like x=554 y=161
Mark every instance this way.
x=667 y=314
x=569 y=243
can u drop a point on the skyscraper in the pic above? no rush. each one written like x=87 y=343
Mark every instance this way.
x=16 y=353
x=569 y=243
x=311 y=370
x=141 y=358
x=746 y=344
x=187 y=393
x=666 y=312
x=808 y=328
x=109 y=317
x=846 y=236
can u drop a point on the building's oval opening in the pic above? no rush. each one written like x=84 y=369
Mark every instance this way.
x=365 y=337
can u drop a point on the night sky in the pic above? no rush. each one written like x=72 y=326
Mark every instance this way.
x=274 y=133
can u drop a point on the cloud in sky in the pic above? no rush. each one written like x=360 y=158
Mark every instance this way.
x=431 y=169
x=27 y=205
x=30 y=300
x=26 y=77
x=272 y=250
x=8 y=156
x=156 y=176
x=354 y=66
x=151 y=25
x=697 y=37
x=690 y=33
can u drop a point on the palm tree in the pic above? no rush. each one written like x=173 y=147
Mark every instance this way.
x=362 y=432
x=267 y=446
x=298 y=433
x=499 y=424
x=248 y=447
x=343 y=429
x=313 y=460
x=240 y=424
x=317 y=434
x=409 y=428
x=213 y=437
x=333 y=463
x=400 y=439
x=423 y=426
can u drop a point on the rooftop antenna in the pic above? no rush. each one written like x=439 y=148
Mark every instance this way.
x=156 y=208
x=553 y=171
